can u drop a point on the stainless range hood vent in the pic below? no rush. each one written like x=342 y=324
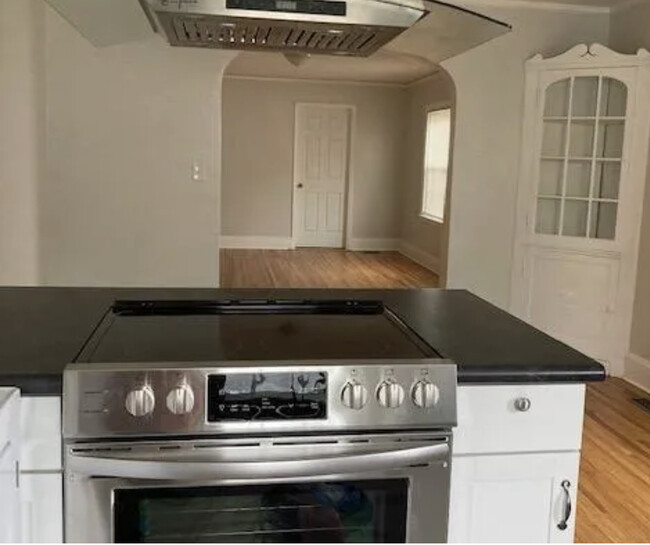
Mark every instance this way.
x=354 y=28
x=260 y=35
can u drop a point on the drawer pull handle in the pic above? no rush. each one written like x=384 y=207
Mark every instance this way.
x=522 y=404
x=563 y=524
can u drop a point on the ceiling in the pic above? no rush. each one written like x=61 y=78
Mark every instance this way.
x=382 y=67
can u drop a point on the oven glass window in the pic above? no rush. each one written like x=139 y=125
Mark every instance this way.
x=333 y=512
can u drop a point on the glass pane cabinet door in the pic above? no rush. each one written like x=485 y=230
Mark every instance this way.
x=581 y=155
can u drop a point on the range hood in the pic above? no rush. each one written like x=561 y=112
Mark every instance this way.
x=332 y=27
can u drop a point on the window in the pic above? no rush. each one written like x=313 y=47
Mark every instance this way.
x=436 y=164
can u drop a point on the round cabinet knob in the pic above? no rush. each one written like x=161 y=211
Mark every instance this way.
x=354 y=395
x=140 y=402
x=180 y=400
x=390 y=394
x=522 y=404
x=425 y=394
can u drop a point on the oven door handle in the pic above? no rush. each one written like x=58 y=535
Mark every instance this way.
x=178 y=470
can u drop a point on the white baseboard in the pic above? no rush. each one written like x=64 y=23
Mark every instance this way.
x=637 y=371
x=421 y=257
x=255 y=243
x=372 y=244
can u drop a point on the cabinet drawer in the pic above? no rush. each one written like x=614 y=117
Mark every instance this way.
x=40 y=431
x=489 y=420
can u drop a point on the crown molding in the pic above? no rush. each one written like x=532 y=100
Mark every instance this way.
x=537 y=5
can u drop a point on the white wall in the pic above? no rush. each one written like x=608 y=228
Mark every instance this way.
x=422 y=239
x=258 y=139
x=124 y=125
x=21 y=138
x=630 y=30
x=489 y=84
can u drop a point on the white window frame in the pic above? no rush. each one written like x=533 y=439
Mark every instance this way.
x=429 y=110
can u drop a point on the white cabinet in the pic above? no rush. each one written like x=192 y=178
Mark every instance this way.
x=515 y=466
x=9 y=452
x=521 y=498
x=582 y=180
x=41 y=506
x=40 y=430
x=41 y=470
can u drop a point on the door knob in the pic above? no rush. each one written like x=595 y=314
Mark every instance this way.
x=299 y=186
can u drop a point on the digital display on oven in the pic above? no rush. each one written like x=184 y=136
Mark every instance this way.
x=267 y=396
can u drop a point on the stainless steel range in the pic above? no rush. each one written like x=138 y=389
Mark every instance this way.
x=257 y=421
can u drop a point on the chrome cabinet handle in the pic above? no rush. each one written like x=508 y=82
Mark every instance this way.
x=522 y=404
x=563 y=524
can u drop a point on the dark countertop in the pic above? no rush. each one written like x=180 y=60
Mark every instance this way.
x=42 y=330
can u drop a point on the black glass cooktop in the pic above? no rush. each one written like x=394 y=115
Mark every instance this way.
x=210 y=331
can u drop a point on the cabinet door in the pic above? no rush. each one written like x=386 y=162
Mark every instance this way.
x=9 y=452
x=41 y=496
x=520 y=498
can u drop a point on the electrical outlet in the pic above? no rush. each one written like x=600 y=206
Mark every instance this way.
x=201 y=169
x=197 y=172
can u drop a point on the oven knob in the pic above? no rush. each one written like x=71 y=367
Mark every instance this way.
x=140 y=402
x=354 y=395
x=390 y=394
x=425 y=394
x=180 y=400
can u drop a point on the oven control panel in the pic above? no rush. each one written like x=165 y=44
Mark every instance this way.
x=267 y=396
x=100 y=401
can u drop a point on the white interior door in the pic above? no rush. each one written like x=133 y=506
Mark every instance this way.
x=321 y=172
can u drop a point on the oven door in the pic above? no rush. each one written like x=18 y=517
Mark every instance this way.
x=327 y=489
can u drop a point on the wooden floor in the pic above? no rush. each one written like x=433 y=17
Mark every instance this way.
x=614 y=488
x=321 y=268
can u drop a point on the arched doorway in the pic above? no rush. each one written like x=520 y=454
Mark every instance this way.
x=380 y=106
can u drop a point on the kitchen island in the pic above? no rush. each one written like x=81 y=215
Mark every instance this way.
x=43 y=329
x=520 y=403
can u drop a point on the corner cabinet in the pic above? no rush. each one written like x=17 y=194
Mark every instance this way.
x=583 y=169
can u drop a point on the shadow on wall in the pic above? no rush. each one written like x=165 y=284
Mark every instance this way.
x=332 y=152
